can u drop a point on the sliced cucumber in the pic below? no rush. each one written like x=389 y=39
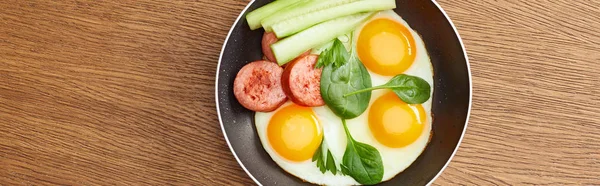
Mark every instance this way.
x=299 y=9
x=289 y=48
x=299 y=23
x=255 y=17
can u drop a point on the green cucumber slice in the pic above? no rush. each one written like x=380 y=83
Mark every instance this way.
x=299 y=23
x=289 y=48
x=255 y=17
x=299 y=9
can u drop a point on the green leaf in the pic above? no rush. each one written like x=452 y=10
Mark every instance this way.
x=361 y=161
x=317 y=154
x=323 y=164
x=344 y=74
x=410 y=89
x=336 y=54
x=331 y=163
x=345 y=170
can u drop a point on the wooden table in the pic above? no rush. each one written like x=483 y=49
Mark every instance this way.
x=122 y=93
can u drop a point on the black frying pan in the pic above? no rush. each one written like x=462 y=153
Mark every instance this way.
x=451 y=99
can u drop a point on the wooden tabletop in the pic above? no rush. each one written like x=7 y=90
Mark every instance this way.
x=122 y=93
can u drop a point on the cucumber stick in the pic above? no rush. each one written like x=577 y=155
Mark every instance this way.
x=255 y=17
x=299 y=23
x=299 y=9
x=291 y=47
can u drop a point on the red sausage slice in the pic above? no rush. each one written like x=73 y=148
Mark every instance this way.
x=301 y=81
x=257 y=86
x=268 y=39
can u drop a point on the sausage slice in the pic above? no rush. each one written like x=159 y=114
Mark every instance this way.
x=257 y=86
x=268 y=39
x=301 y=81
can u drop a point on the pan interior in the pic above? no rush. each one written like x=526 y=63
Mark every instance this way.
x=451 y=99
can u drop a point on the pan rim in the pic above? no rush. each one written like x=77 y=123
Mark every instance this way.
x=217 y=94
x=462 y=45
x=430 y=181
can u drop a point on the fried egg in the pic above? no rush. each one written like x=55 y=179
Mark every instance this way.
x=387 y=46
x=291 y=135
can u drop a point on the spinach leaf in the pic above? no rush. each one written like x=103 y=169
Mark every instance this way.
x=361 y=161
x=410 y=89
x=344 y=73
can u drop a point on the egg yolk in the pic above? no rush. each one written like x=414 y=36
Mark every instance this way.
x=294 y=133
x=386 y=47
x=394 y=123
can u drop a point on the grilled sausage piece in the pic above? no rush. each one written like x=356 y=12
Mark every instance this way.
x=268 y=39
x=301 y=81
x=257 y=86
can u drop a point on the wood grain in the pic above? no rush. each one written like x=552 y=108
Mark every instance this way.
x=536 y=110
x=122 y=93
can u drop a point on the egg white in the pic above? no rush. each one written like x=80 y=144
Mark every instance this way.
x=395 y=160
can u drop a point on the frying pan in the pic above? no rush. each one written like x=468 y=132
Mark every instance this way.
x=451 y=98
